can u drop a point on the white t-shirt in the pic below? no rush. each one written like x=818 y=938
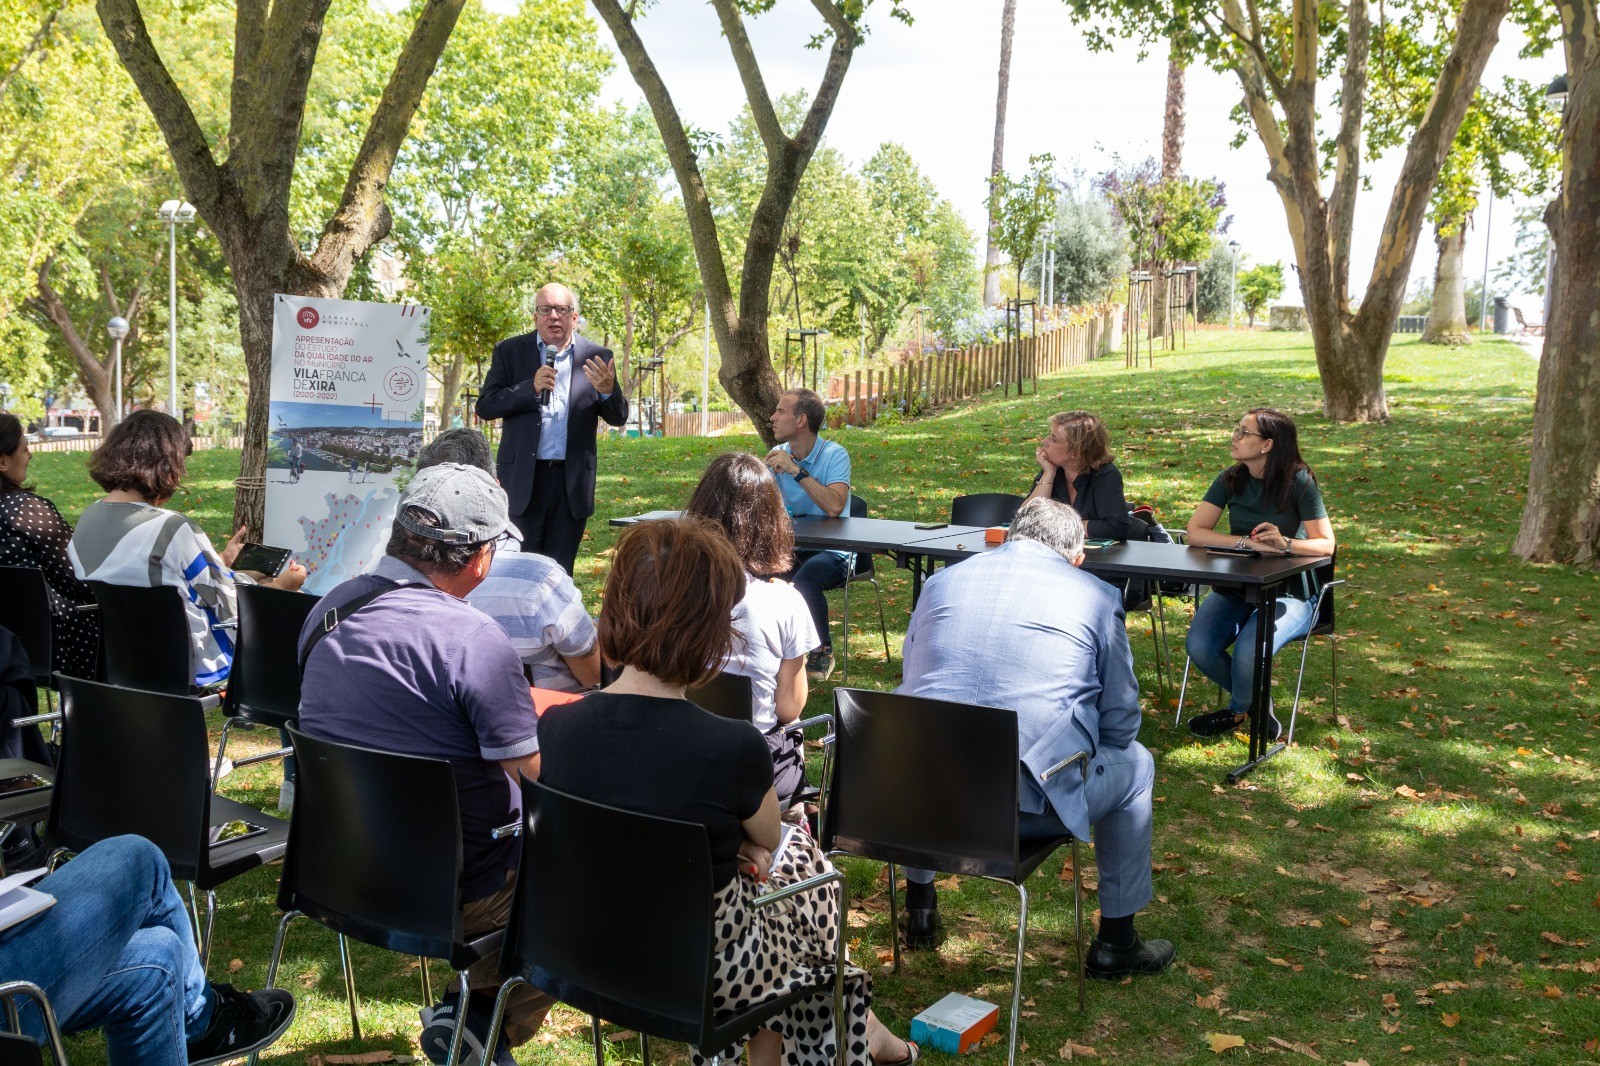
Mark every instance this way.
x=774 y=625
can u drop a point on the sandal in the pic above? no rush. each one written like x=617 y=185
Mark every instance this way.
x=1215 y=723
x=913 y=1053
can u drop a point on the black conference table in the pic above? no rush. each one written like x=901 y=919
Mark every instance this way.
x=1259 y=580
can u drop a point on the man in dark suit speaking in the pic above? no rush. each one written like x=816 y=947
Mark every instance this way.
x=552 y=387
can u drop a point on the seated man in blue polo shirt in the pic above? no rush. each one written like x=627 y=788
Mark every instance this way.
x=814 y=476
x=413 y=668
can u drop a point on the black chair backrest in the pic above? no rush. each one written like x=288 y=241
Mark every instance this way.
x=726 y=696
x=25 y=610
x=984 y=509
x=863 y=567
x=17 y=1050
x=893 y=798
x=132 y=762
x=578 y=929
x=375 y=847
x=144 y=638
x=264 y=683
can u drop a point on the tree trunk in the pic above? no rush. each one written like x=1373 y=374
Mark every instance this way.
x=95 y=373
x=1160 y=299
x=997 y=159
x=1172 y=123
x=1447 y=317
x=450 y=388
x=1561 y=519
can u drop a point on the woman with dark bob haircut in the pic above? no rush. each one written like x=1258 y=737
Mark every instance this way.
x=33 y=533
x=639 y=745
x=774 y=629
x=1274 y=505
x=128 y=537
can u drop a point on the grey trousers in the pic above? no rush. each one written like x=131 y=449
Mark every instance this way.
x=1120 y=783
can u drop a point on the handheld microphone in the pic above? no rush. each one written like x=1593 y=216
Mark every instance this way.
x=549 y=360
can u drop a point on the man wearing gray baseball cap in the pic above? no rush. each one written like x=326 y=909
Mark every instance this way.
x=398 y=660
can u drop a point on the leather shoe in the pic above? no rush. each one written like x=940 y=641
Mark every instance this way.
x=921 y=927
x=1107 y=962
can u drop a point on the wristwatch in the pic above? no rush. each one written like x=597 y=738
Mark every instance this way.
x=1288 y=545
x=800 y=474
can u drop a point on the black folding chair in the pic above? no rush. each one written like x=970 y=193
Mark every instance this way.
x=933 y=785
x=375 y=854
x=137 y=762
x=582 y=937
x=1324 y=624
x=264 y=684
x=862 y=570
x=985 y=509
x=25 y=610
x=20 y=1050
x=726 y=696
x=144 y=638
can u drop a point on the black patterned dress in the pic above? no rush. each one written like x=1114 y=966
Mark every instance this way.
x=764 y=952
x=33 y=533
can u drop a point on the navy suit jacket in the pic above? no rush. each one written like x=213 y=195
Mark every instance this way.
x=508 y=394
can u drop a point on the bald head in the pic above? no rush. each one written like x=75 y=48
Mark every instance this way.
x=555 y=309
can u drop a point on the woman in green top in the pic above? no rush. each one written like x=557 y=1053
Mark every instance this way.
x=1273 y=505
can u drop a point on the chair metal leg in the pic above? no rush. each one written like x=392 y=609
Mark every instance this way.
x=1183 y=690
x=276 y=956
x=211 y=927
x=194 y=915
x=894 y=917
x=644 y=1048
x=845 y=659
x=52 y=1029
x=427 y=982
x=1016 y=977
x=1299 y=681
x=1077 y=919
x=456 y=1037
x=1333 y=670
x=498 y=1017
x=599 y=1046
x=1156 y=641
x=350 y=987
x=883 y=624
x=222 y=747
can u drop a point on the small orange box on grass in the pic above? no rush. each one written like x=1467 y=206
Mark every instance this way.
x=995 y=535
x=955 y=1024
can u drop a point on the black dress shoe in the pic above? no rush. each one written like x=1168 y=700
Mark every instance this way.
x=1107 y=962
x=921 y=927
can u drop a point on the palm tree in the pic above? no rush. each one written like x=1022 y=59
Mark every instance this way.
x=1008 y=24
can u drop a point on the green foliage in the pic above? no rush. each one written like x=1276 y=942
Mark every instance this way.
x=1090 y=254
x=1212 y=287
x=1258 y=286
x=1525 y=268
x=1021 y=206
x=1165 y=220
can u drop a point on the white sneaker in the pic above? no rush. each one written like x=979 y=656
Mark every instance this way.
x=286 y=797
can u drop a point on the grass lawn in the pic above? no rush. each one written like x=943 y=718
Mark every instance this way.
x=1418 y=880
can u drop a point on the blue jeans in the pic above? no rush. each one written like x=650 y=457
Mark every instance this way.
x=1224 y=620
x=117 y=953
x=813 y=574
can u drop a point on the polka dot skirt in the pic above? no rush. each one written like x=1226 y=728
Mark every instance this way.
x=762 y=954
x=33 y=533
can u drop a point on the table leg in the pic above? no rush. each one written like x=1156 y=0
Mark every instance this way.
x=1261 y=692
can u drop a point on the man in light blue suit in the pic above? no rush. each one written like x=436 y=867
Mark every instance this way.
x=1024 y=629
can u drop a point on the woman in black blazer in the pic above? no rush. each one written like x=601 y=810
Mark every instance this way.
x=1075 y=468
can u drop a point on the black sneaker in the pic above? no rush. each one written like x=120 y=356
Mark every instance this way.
x=242 y=1023
x=819 y=664
x=439 y=1028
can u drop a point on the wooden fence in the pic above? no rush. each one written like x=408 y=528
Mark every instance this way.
x=931 y=381
x=687 y=424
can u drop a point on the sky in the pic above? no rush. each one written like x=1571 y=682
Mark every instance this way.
x=931 y=87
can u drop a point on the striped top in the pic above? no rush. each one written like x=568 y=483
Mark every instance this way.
x=145 y=546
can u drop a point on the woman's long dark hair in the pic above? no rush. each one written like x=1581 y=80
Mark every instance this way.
x=739 y=493
x=1283 y=461
x=10 y=441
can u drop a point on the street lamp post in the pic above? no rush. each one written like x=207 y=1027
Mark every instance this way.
x=118 y=328
x=173 y=212
x=1233 y=279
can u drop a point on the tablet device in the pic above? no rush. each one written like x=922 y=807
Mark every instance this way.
x=1238 y=553
x=262 y=559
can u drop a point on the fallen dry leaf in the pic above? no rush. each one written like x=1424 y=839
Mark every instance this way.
x=1449 y=1020
x=235 y=965
x=1303 y=1049
x=1072 y=1050
x=1221 y=1042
